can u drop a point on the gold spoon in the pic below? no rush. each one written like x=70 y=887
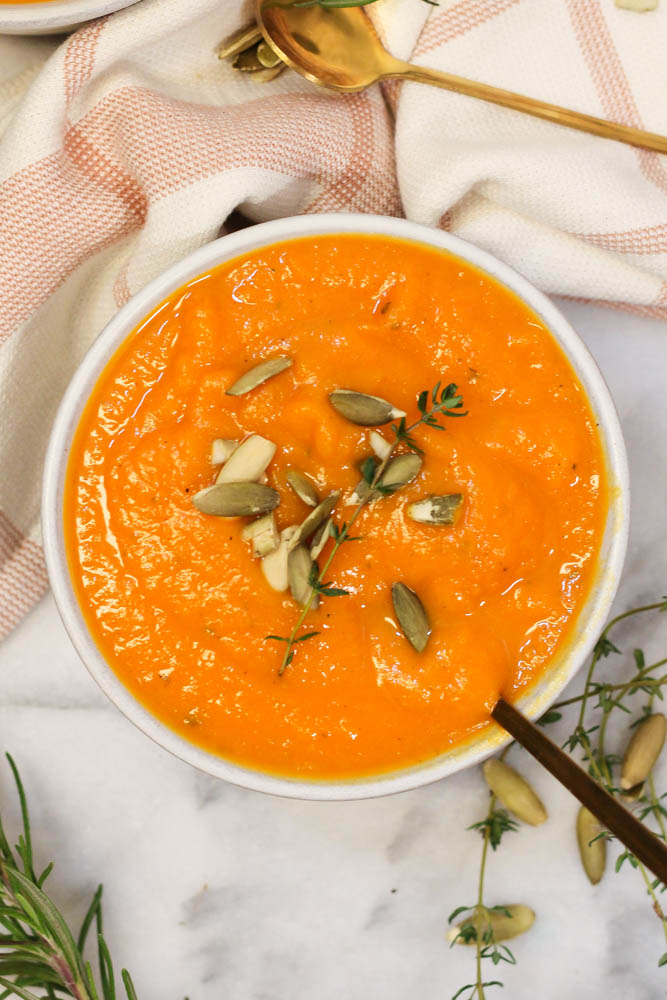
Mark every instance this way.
x=339 y=49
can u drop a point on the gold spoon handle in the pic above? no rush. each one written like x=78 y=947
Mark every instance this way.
x=531 y=106
x=637 y=838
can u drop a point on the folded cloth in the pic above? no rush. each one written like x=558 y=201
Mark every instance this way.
x=128 y=145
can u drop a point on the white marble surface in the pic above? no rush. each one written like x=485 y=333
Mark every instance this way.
x=213 y=892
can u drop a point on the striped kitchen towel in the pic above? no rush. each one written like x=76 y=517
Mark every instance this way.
x=129 y=144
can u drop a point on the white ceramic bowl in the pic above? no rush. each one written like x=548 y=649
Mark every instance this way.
x=591 y=617
x=54 y=16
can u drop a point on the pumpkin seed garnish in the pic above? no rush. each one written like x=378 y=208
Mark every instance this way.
x=500 y=924
x=239 y=41
x=259 y=374
x=635 y=793
x=274 y=565
x=358 y=494
x=400 y=471
x=315 y=519
x=436 y=509
x=236 y=499
x=360 y=408
x=320 y=538
x=379 y=444
x=222 y=449
x=592 y=847
x=303 y=487
x=299 y=569
x=432 y=404
x=411 y=616
x=264 y=535
x=266 y=56
x=248 y=62
x=643 y=750
x=514 y=792
x=248 y=462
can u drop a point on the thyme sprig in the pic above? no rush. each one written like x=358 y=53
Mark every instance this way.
x=602 y=699
x=476 y=928
x=37 y=948
x=608 y=698
x=431 y=404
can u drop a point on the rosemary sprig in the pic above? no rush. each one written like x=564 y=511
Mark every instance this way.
x=37 y=949
x=431 y=404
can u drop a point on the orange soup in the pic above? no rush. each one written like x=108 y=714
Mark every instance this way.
x=181 y=605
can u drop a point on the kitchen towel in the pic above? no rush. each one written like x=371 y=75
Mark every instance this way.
x=128 y=144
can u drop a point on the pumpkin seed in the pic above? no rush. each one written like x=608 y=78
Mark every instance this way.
x=222 y=449
x=303 y=487
x=259 y=374
x=505 y=923
x=267 y=56
x=359 y=493
x=514 y=792
x=247 y=61
x=379 y=444
x=263 y=533
x=266 y=75
x=436 y=509
x=249 y=462
x=320 y=538
x=239 y=41
x=643 y=750
x=299 y=567
x=274 y=565
x=315 y=519
x=236 y=499
x=401 y=469
x=635 y=793
x=593 y=853
x=411 y=615
x=359 y=408
x=639 y=5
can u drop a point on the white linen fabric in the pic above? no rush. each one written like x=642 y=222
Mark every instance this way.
x=128 y=144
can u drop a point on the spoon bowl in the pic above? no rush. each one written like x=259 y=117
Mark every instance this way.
x=339 y=48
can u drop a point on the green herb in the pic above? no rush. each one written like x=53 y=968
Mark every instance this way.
x=600 y=702
x=608 y=698
x=335 y=4
x=444 y=402
x=476 y=928
x=37 y=949
x=341 y=533
x=439 y=402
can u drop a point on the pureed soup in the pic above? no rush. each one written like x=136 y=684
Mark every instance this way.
x=464 y=569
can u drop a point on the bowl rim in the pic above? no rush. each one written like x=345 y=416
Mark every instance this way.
x=591 y=617
x=54 y=15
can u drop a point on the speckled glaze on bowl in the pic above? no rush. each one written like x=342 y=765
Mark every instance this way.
x=54 y=16
x=589 y=621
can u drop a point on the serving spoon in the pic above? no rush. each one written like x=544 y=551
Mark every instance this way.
x=645 y=846
x=340 y=49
